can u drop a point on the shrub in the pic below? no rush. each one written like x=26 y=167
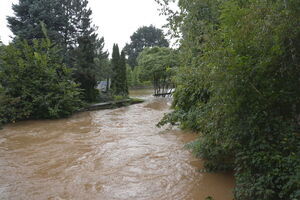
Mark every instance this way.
x=35 y=83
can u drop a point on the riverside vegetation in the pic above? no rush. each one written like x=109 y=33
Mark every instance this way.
x=238 y=87
x=56 y=60
x=49 y=70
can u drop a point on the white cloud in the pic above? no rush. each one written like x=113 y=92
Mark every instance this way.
x=116 y=19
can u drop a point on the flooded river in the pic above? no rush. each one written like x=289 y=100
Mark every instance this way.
x=109 y=154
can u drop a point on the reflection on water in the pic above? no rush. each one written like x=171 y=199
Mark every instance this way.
x=108 y=154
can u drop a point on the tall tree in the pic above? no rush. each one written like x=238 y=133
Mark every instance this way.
x=146 y=36
x=63 y=19
x=85 y=67
x=85 y=53
x=115 y=61
x=29 y=13
x=119 y=80
x=158 y=65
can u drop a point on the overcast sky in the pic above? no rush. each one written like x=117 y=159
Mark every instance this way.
x=116 y=19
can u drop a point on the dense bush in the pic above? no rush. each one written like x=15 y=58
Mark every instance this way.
x=34 y=83
x=239 y=87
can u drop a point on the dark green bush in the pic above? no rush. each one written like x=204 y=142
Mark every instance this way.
x=34 y=83
x=239 y=87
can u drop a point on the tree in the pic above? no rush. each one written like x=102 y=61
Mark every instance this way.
x=29 y=14
x=239 y=87
x=119 y=79
x=65 y=20
x=86 y=52
x=85 y=67
x=34 y=83
x=158 y=65
x=79 y=30
x=115 y=62
x=146 y=36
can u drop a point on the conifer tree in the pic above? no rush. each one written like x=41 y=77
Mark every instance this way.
x=85 y=53
x=85 y=67
x=115 y=61
x=119 y=80
x=29 y=14
x=63 y=19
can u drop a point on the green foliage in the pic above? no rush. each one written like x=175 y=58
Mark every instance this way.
x=69 y=25
x=157 y=63
x=29 y=13
x=115 y=61
x=146 y=36
x=34 y=83
x=129 y=74
x=65 y=20
x=238 y=86
x=103 y=64
x=88 y=48
x=119 y=83
x=85 y=68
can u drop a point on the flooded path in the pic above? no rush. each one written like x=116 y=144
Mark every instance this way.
x=110 y=154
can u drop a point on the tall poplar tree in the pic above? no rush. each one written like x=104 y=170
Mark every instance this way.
x=115 y=61
x=119 y=80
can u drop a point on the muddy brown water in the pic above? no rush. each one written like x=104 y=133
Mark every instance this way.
x=108 y=154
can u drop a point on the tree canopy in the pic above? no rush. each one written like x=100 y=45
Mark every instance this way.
x=156 y=62
x=146 y=36
x=65 y=20
x=158 y=65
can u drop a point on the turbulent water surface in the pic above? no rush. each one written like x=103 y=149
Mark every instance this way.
x=107 y=154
